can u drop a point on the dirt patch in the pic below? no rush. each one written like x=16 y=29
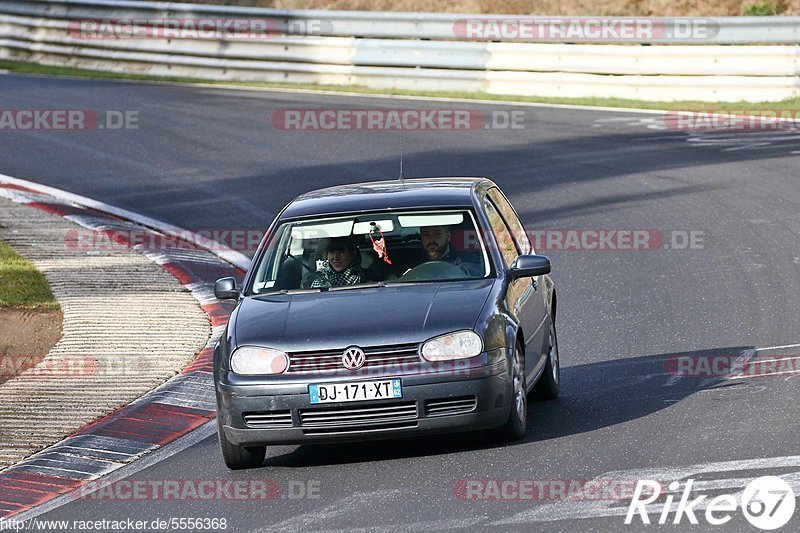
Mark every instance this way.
x=26 y=337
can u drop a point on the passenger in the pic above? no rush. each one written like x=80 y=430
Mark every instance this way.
x=342 y=265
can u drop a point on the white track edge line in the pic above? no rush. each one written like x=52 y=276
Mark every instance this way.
x=222 y=251
x=779 y=347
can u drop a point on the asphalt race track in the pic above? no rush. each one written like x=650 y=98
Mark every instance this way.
x=207 y=158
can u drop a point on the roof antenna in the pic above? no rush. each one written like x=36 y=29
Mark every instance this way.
x=402 y=176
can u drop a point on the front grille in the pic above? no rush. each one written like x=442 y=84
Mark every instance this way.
x=402 y=356
x=269 y=419
x=359 y=430
x=359 y=416
x=450 y=406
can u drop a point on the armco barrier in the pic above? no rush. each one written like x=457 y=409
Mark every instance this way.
x=414 y=51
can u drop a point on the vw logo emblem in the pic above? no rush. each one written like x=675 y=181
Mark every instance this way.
x=353 y=358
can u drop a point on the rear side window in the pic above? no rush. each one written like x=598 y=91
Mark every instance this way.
x=505 y=242
x=511 y=218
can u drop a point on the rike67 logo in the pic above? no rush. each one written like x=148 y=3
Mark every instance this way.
x=767 y=503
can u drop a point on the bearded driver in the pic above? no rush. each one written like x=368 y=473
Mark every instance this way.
x=436 y=243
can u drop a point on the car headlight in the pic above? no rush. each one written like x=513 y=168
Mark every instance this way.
x=457 y=345
x=253 y=360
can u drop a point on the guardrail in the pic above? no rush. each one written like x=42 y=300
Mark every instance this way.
x=419 y=51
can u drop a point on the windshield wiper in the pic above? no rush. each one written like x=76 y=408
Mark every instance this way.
x=375 y=285
x=400 y=281
x=286 y=291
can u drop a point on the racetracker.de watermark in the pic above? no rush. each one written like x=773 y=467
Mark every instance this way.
x=593 y=240
x=245 y=240
x=87 y=240
x=615 y=239
x=200 y=489
x=67 y=120
x=338 y=120
x=731 y=365
x=196 y=28
x=54 y=366
x=73 y=365
x=585 y=29
x=733 y=121
x=610 y=489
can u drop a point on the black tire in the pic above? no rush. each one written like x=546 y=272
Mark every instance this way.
x=549 y=383
x=240 y=457
x=516 y=425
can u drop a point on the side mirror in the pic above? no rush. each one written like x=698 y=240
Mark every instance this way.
x=526 y=266
x=225 y=289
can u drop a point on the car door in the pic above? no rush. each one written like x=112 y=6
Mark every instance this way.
x=541 y=310
x=522 y=296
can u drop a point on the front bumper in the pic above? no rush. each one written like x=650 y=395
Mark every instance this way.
x=438 y=403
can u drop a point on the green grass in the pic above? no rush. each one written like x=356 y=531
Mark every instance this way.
x=792 y=104
x=21 y=285
x=765 y=8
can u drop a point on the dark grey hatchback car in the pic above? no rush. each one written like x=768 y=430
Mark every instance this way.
x=386 y=309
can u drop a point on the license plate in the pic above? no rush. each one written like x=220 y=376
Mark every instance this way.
x=355 y=392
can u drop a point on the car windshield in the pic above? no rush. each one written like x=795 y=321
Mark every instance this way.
x=372 y=249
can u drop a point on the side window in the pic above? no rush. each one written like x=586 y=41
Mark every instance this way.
x=512 y=220
x=502 y=235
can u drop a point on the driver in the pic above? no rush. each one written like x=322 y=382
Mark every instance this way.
x=342 y=265
x=436 y=243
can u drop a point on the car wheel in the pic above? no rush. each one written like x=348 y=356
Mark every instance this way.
x=240 y=457
x=515 y=427
x=549 y=383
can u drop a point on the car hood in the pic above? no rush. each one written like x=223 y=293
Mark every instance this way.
x=394 y=314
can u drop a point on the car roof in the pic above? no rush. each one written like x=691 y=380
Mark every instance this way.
x=394 y=194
